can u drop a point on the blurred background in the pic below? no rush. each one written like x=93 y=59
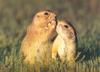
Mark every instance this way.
x=15 y=15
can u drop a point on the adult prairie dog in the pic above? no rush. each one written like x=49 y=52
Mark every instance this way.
x=36 y=45
x=65 y=43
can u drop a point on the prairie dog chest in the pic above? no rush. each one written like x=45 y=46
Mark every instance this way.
x=61 y=49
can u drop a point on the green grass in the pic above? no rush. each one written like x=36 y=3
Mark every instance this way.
x=14 y=18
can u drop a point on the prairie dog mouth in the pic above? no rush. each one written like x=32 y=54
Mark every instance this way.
x=53 y=21
x=49 y=24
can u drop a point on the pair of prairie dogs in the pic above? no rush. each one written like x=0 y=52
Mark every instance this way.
x=37 y=45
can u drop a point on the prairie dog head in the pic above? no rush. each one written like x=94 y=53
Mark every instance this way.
x=44 y=24
x=65 y=30
x=45 y=19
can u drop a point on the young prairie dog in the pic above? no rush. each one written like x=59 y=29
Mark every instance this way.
x=36 y=45
x=65 y=43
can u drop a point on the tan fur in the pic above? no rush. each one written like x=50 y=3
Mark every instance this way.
x=36 y=45
x=65 y=43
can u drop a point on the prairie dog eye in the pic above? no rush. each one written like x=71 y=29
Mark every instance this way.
x=46 y=13
x=66 y=26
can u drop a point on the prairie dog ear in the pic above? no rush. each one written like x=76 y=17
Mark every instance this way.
x=37 y=16
x=72 y=35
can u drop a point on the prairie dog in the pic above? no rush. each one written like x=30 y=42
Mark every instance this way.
x=65 y=43
x=36 y=45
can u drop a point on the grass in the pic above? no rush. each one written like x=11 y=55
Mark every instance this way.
x=14 y=19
